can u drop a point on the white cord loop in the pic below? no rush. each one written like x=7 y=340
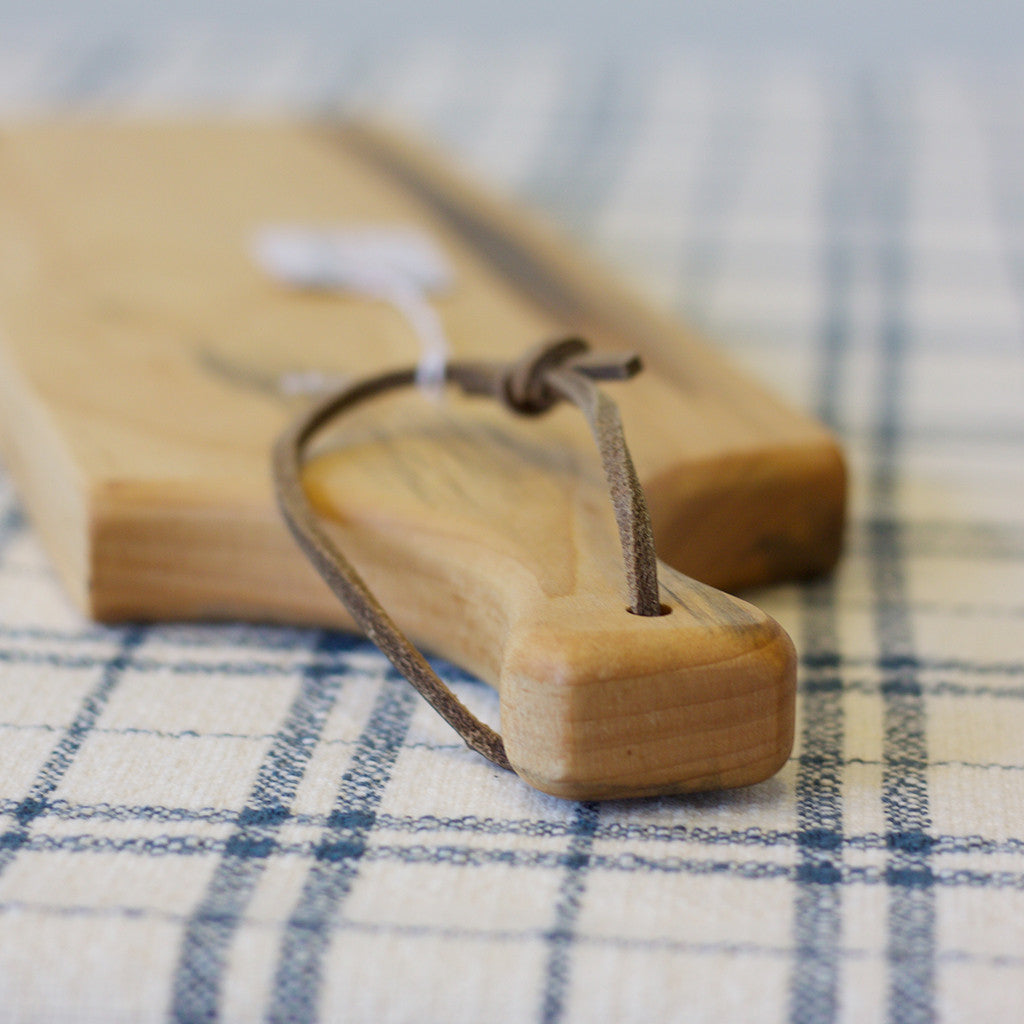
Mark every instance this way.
x=395 y=265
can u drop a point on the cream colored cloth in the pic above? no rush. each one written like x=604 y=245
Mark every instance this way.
x=237 y=823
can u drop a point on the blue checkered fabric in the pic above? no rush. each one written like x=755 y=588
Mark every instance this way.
x=244 y=823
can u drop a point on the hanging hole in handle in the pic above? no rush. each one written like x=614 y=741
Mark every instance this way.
x=663 y=609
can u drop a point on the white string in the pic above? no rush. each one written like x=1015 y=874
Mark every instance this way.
x=395 y=265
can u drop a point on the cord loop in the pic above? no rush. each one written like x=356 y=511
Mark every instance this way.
x=547 y=374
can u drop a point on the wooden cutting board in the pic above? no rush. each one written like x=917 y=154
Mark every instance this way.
x=140 y=350
x=141 y=360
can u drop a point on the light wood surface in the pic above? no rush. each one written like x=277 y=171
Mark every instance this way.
x=502 y=554
x=140 y=350
x=140 y=355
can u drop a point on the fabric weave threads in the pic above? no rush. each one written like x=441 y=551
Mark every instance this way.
x=750 y=195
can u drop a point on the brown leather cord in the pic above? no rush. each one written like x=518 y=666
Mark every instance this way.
x=551 y=372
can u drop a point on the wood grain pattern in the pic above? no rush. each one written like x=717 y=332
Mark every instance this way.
x=141 y=350
x=503 y=555
x=140 y=357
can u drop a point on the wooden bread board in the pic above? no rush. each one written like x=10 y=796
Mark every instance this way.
x=140 y=349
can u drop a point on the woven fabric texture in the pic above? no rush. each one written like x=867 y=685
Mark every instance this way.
x=243 y=823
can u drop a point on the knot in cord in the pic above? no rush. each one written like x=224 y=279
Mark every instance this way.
x=525 y=388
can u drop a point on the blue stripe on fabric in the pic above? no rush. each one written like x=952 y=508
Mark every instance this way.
x=1005 y=143
x=814 y=985
x=628 y=863
x=307 y=934
x=194 y=636
x=893 y=683
x=911 y=914
x=590 y=148
x=60 y=759
x=175 y=666
x=885 y=662
x=623 y=832
x=936 y=434
x=728 y=152
x=560 y=940
x=952 y=608
x=199 y=976
x=441 y=933
x=974 y=541
x=95 y=71
x=888 y=661
x=12 y=525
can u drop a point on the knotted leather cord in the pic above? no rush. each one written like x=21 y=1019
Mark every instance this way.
x=560 y=370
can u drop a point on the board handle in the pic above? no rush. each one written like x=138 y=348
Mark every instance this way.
x=597 y=703
x=594 y=705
